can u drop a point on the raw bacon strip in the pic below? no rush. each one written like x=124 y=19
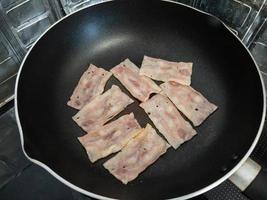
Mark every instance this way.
x=163 y=70
x=137 y=155
x=110 y=138
x=190 y=102
x=101 y=109
x=168 y=120
x=139 y=86
x=91 y=84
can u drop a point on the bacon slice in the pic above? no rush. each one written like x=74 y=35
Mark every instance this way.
x=190 y=102
x=110 y=138
x=137 y=155
x=140 y=87
x=101 y=109
x=168 y=120
x=163 y=70
x=91 y=84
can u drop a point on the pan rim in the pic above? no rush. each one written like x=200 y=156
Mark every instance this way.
x=97 y=196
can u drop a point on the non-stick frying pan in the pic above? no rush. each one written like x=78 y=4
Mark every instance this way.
x=106 y=34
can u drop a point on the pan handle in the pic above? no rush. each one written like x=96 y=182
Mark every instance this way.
x=251 y=179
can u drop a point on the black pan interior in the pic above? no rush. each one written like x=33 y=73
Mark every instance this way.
x=106 y=34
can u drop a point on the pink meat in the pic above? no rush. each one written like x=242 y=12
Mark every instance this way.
x=137 y=155
x=91 y=84
x=168 y=120
x=110 y=138
x=163 y=70
x=190 y=102
x=101 y=109
x=139 y=86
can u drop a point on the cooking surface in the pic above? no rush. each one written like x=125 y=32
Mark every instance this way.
x=102 y=35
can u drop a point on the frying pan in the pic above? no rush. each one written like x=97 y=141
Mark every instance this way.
x=105 y=34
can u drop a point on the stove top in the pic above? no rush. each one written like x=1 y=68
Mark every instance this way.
x=20 y=179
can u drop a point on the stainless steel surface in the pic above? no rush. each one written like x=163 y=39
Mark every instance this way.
x=21 y=23
x=70 y=6
x=12 y=160
x=27 y=19
x=9 y=64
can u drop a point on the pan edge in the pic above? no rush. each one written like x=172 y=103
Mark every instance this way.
x=93 y=195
